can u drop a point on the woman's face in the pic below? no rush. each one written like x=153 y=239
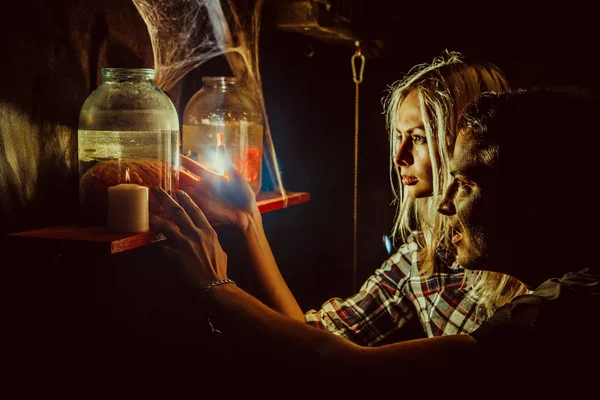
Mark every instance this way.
x=412 y=152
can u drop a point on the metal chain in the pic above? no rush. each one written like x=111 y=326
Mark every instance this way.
x=206 y=289
x=357 y=81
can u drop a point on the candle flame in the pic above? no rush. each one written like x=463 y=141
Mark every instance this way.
x=127 y=179
x=219 y=162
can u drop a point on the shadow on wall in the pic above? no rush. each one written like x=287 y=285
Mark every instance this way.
x=57 y=50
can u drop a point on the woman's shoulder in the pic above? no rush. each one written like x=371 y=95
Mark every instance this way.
x=406 y=255
x=414 y=244
x=409 y=250
x=413 y=249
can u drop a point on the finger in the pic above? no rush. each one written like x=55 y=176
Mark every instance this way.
x=199 y=218
x=167 y=229
x=196 y=168
x=205 y=184
x=200 y=195
x=163 y=197
x=180 y=217
x=187 y=179
x=190 y=207
x=157 y=209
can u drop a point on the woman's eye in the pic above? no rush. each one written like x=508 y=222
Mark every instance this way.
x=419 y=139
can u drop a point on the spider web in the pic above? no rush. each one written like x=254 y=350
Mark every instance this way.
x=187 y=33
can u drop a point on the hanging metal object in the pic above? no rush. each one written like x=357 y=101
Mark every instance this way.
x=358 y=57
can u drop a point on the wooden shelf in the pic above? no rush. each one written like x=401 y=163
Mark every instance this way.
x=99 y=241
x=270 y=201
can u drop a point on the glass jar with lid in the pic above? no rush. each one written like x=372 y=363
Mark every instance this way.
x=126 y=126
x=224 y=108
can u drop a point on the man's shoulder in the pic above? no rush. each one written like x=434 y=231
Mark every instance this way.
x=554 y=312
x=571 y=287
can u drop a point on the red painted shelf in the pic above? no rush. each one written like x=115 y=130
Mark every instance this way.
x=99 y=240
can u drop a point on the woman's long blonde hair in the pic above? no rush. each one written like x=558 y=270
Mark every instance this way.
x=444 y=87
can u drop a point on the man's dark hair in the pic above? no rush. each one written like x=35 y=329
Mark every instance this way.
x=539 y=129
x=543 y=144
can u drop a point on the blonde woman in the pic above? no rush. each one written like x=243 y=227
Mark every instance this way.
x=420 y=279
x=535 y=346
x=440 y=91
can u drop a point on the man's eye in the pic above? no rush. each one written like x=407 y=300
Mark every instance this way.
x=463 y=185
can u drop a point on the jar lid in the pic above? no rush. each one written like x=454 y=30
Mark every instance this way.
x=116 y=73
x=219 y=80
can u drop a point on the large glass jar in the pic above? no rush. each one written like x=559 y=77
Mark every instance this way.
x=127 y=126
x=224 y=108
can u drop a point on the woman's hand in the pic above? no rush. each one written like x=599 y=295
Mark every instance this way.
x=195 y=244
x=224 y=199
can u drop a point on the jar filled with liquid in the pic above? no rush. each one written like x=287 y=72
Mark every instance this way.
x=224 y=110
x=126 y=125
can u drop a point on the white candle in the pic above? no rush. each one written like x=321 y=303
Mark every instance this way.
x=128 y=208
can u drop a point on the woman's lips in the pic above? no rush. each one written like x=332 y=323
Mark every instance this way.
x=408 y=180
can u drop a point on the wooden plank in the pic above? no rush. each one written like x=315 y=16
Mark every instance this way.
x=268 y=201
x=100 y=241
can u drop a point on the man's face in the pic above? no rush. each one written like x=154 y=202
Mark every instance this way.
x=475 y=208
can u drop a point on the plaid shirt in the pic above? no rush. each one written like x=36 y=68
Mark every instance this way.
x=397 y=293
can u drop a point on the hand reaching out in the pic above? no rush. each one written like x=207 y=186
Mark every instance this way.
x=195 y=244
x=228 y=199
x=225 y=199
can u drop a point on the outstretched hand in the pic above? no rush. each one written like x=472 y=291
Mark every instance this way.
x=225 y=199
x=195 y=244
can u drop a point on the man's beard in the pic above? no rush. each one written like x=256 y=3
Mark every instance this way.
x=472 y=252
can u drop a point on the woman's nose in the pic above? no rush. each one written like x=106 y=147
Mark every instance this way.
x=403 y=156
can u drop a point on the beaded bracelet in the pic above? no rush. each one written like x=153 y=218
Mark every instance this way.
x=206 y=289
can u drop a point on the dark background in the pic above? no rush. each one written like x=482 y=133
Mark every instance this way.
x=80 y=323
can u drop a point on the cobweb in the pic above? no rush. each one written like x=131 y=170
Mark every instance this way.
x=187 y=33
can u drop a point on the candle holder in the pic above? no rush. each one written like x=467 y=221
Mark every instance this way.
x=224 y=111
x=127 y=123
